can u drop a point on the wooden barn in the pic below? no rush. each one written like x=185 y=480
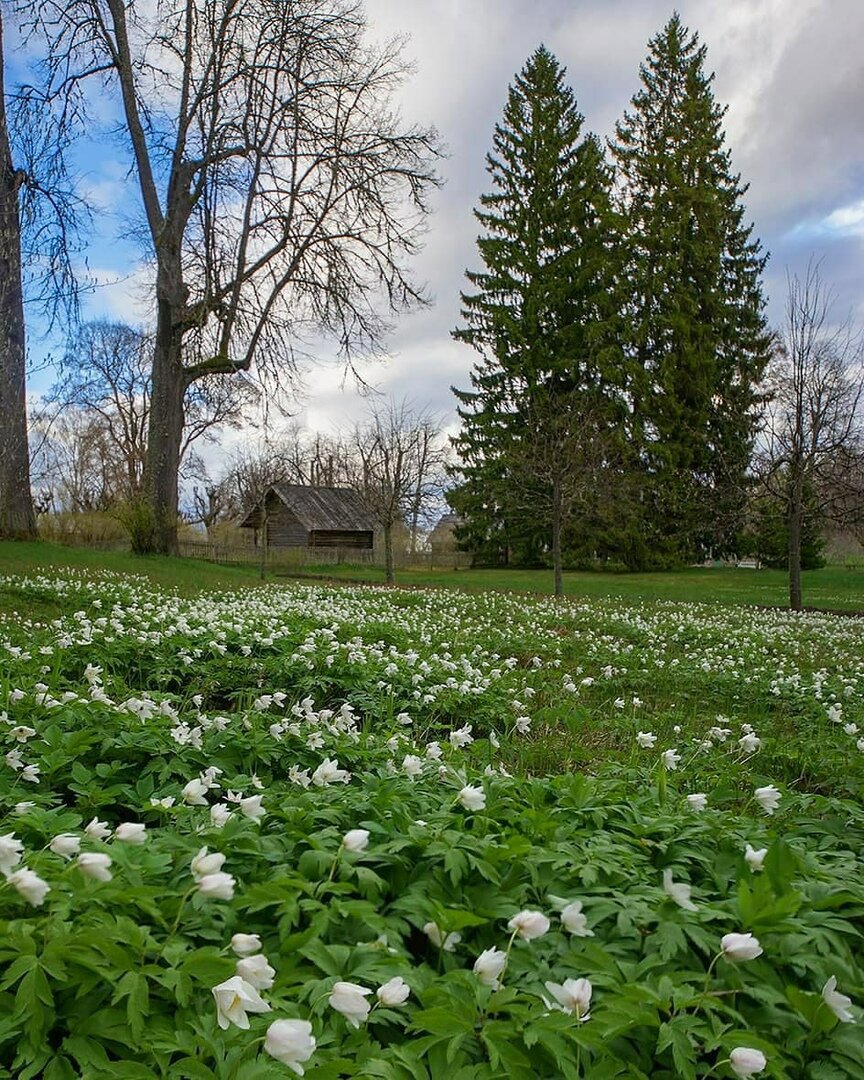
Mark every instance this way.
x=295 y=515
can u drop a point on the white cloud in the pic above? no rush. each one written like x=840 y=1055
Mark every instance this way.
x=848 y=220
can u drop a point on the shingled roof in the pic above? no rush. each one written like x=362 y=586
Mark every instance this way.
x=319 y=509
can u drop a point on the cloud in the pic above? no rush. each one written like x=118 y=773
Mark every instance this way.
x=846 y=220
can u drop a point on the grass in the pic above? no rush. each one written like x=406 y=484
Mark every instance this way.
x=188 y=576
x=832 y=588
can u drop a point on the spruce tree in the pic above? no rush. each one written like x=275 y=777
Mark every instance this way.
x=542 y=313
x=697 y=339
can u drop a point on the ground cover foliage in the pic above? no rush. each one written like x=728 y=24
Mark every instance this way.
x=393 y=834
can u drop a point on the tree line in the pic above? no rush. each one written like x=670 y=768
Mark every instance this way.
x=630 y=404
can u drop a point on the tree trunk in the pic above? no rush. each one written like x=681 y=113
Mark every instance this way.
x=17 y=518
x=165 y=434
x=796 y=516
x=389 y=576
x=556 y=537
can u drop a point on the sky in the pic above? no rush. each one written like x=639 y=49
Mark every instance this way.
x=790 y=71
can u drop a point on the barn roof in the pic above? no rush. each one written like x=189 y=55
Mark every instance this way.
x=319 y=508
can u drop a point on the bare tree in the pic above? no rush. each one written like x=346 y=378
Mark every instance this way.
x=561 y=461
x=292 y=456
x=106 y=372
x=77 y=467
x=39 y=218
x=105 y=375
x=814 y=440
x=395 y=461
x=17 y=518
x=280 y=190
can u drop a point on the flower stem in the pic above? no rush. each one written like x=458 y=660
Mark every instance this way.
x=185 y=897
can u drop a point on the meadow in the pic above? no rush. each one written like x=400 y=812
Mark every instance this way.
x=252 y=832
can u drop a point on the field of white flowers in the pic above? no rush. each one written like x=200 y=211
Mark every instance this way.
x=407 y=835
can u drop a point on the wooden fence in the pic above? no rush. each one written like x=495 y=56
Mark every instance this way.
x=287 y=559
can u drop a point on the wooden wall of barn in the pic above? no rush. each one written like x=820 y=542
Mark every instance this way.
x=349 y=538
x=283 y=528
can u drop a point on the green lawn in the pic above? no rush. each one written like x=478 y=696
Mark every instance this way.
x=833 y=587
x=187 y=575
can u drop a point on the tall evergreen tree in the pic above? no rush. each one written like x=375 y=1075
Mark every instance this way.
x=698 y=343
x=542 y=314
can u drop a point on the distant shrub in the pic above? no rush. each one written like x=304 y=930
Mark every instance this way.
x=96 y=528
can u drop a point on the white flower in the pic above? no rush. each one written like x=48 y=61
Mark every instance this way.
x=698 y=801
x=670 y=759
x=256 y=971
x=412 y=765
x=754 y=858
x=291 y=1042
x=30 y=773
x=472 y=798
x=461 y=737
x=744 y=1061
x=219 y=814
x=328 y=772
x=850 y=729
x=750 y=743
x=740 y=947
x=245 y=944
x=95 y=864
x=218 y=886
x=194 y=792
x=350 y=999
x=529 y=924
x=299 y=776
x=489 y=965
x=165 y=803
x=11 y=851
x=574 y=997
x=356 y=840
x=448 y=943
x=234 y=999
x=768 y=798
x=130 y=832
x=92 y=673
x=252 y=807
x=394 y=992
x=433 y=751
x=13 y=759
x=204 y=864
x=646 y=740
x=574 y=921
x=30 y=885
x=678 y=891
x=22 y=733
x=66 y=845
x=838 y=1003
x=23 y=807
